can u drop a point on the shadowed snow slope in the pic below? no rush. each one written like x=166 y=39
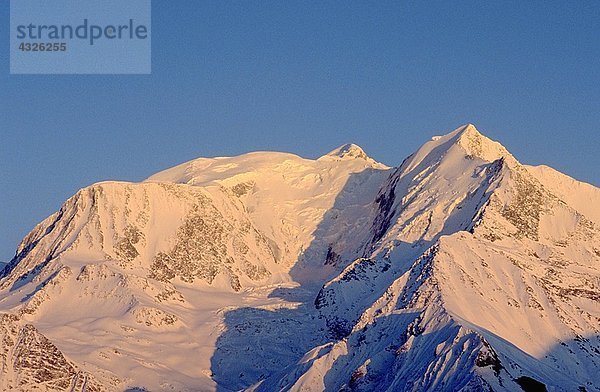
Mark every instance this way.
x=461 y=269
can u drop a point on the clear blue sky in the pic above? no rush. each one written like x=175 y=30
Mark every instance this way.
x=230 y=77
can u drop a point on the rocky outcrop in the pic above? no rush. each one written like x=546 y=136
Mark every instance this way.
x=31 y=362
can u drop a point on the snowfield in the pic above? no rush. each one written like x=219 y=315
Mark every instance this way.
x=459 y=270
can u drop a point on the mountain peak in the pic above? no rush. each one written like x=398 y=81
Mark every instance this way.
x=465 y=141
x=349 y=150
x=469 y=130
x=478 y=145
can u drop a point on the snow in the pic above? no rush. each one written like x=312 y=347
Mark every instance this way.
x=348 y=151
x=286 y=196
x=583 y=197
x=459 y=270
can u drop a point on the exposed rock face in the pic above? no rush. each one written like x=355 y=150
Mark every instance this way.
x=30 y=362
x=201 y=251
x=106 y=220
x=459 y=270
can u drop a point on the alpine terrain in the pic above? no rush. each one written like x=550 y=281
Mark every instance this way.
x=460 y=270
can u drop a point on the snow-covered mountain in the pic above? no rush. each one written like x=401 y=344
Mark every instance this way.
x=462 y=269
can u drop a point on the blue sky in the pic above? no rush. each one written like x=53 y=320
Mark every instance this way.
x=304 y=77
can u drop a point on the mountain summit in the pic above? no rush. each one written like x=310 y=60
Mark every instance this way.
x=348 y=151
x=461 y=269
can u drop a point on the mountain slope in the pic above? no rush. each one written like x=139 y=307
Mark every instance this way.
x=459 y=270
x=29 y=361
x=121 y=261
x=581 y=196
x=510 y=262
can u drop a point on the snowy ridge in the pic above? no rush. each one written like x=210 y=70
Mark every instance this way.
x=581 y=196
x=449 y=189
x=459 y=270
